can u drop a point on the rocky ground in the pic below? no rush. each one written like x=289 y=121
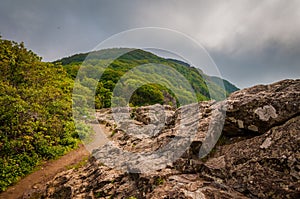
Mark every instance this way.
x=257 y=155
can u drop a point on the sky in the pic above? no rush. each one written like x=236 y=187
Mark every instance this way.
x=251 y=41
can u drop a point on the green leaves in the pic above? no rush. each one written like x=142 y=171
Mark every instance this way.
x=35 y=112
x=100 y=64
x=147 y=95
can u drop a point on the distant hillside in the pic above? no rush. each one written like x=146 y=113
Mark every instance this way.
x=150 y=93
x=229 y=87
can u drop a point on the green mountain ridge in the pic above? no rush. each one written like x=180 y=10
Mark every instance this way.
x=112 y=64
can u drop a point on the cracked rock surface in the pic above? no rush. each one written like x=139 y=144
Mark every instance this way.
x=257 y=155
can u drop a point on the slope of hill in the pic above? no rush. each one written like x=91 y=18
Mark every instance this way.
x=132 y=58
x=35 y=112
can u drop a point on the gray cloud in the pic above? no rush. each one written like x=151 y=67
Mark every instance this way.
x=251 y=41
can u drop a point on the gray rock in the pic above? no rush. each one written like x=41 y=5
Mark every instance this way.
x=262 y=107
x=257 y=157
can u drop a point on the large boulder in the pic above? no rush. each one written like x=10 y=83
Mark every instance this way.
x=255 y=110
x=265 y=166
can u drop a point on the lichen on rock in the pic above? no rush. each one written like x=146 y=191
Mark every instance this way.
x=266 y=112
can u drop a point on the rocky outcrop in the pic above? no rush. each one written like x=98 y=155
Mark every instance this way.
x=257 y=155
x=266 y=166
x=257 y=109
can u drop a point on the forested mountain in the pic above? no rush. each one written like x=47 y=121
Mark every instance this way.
x=204 y=86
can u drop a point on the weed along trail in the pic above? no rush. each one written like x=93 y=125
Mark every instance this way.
x=32 y=184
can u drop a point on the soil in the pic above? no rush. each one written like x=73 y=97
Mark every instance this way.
x=32 y=185
x=36 y=181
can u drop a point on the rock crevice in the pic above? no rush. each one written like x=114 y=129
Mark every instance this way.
x=257 y=155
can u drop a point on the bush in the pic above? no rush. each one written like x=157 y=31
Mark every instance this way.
x=35 y=112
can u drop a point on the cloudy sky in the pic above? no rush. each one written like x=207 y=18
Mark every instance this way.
x=252 y=42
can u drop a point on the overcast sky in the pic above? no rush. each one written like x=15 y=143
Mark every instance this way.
x=252 y=42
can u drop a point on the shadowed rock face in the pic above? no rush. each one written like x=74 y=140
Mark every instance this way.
x=266 y=166
x=257 y=157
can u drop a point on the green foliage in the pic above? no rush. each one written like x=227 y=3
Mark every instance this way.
x=113 y=133
x=132 y=197
x=159 y=181
x=116 y=67
x=80 y=164
x=147 y=94
x=35 y=112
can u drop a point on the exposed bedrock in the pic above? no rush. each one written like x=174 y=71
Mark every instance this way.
x=257 y=155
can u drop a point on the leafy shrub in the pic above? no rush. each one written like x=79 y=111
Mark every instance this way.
x=35 y=112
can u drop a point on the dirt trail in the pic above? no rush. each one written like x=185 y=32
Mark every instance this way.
x=36 y=181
